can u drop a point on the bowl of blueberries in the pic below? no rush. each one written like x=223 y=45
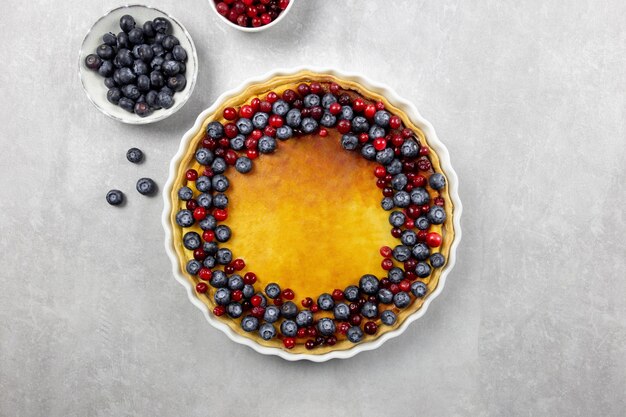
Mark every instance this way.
x=138 y=64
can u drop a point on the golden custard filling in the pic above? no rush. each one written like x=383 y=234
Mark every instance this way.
x=308 y=217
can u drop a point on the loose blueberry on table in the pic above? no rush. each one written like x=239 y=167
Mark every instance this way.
x=411 y=191
x=251 y=13
x=143 y=65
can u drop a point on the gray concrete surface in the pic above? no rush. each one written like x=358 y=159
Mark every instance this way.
x=528 y=96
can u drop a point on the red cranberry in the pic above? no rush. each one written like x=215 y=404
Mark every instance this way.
x=219 y=152
x=394 y=288
x=380 y=105
x=302 y=332
x=408 y=166
x=419 y=181
x=265 y=107
x=380 y=171
x=208 y=235
x=315 y=308
x=246 y=111
x=381 y=183
x=256 y=300
x=385 y=251
x=413 y=211
x=199 y=254
x=289 y=342
x=220 y=214
x=421 y=235
x=199 y=213
x=249 y=278
x=433 y=239
x=191 y=175
x=255 y=103
x=252 y=153
x=372 y=299
x=222 y=8
x=266 y=19
x=239 y=7
x=425 y=208
x=269 y=131
x=297 y=104
x=317 y=112
x=344 y=99
x=256 y=21
x=230 y=113
x=316 y=87
x=205 y=274
x=208 y=172
x=307 y=302
x=230 y=157
x=252 y=141
x=370 y=327
x=370 y=111
x=343 y=328
x=275 y=120
x=337 y=294
x=354 y=308
x=224 y=142
x=423 y=165
x=380 y=144
x=323 y=132
x=439 y=201
x=397 y=140
x=396 y=232
x=355 y=320
x=309 y=344
x=283 y=4
x=406 y=133
x=245 y=304
x=334 y=88
x=239 y=264
x=209 y=143
x=242 y=20
x=410 y=276
x=288 y=294
x=303 y=89
x=251 y=11
x=278 y=301
x=386 y=264
x=385 y=283
x=311 y=331
x=229 y=269
x=424 y=151
x=388 y=191
x=405 y=285
x=335 y=108
x=230 y=130
x=364 y=137
x=191 y=205
x=359 y=104
x=258 y=311
x=271 y=97
x=289 y=95
x=410 y=264
x=319 y=340
x=331 y=340
x=237 y=295
x=219 y=310
x=395 y=122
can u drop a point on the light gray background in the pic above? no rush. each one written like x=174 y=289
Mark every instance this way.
x=528 y=96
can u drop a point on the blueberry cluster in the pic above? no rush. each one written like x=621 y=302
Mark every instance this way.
x=144 y=65
x=145 y=186
x=404 y=173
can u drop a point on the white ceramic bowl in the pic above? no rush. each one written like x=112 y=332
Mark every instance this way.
x=434 y=143
x=93 y=83
x=280 y=17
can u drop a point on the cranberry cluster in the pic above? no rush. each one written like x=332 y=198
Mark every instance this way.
x=251 y=13
x=404 y=174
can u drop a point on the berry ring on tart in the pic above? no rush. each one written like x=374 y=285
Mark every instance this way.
x=312 y=215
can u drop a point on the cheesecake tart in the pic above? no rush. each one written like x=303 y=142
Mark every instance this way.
x=309 y=214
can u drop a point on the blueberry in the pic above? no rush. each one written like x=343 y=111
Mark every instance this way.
x=409 y=149
x=437 y=181
x=401 y=299
x=148 y=29
x=381 y=118
x=208 y=223
x=169 y=42
x=106 y=69
x=309 y=125
x=220 y=183
x=238 y=142
x=328 y=120
x=122 y=40
x=109 y=82
x=192 y=241
x=244 y=126
x=326 y=327
x=387 y=203
x=218 y=279
x=368 y=284
x=161 y=25
x=304 y=318
x=140 y=68
x=203 y=184
x=422 y=223
x=399 y=181
x=420 y=251
x=134 y=155
x=219 y=165
x=127 y=104
x=293 y=118
x=210 y=262
x=388 y=318
x=419 y=196
x=235 y=282
x=397 y=218
x=234 y=310
x=368 y=152
x=272 y=290
x=351 y=293
x=385 y=157
x=360 y=124
x=369 y=310
x=143 y=83
x=171 y=67
x=145 y=53
x=408 y=237
x=126 y=76
x=115 y=197
x=385 y=296
x=419 y=289
x=267 y=331
x=280 y=107
x=267 y=144
x=325 y=302
x=402 y=253
x=224 y=256
x=422 y=269
x=104 y=51
x=395 y=275
x=165 y=100
x=289 y=328
x=158 y=38
x=215 y=130
x=184 y=218
x=346 y=113
x=349 y=141
x=146 y=186
x=193 y=267
x=109 y=39
x=220 y=200
x=222 y=233
x=157 y=50
x=127 y=23
x=177 y=83
x=395 y=167
x=114 y=95
x=260 y=119
x=211 y=248
x=179 y=53
x=204 y=156
x=401 y=199
x=124 y=57
x=243 y=164
x=328 y=99
x=436 y=215
x=142 y=99
x=157 y=80
x=342 y=311
x=355 y=334
x=289 y=310
x=311 y=100
x=135 y=36
x=248 y=290
x=93 y=61
x=284 y=132
x=272 y=314
x=437 y=260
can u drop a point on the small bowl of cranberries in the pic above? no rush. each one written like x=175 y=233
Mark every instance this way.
x=251 y=15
